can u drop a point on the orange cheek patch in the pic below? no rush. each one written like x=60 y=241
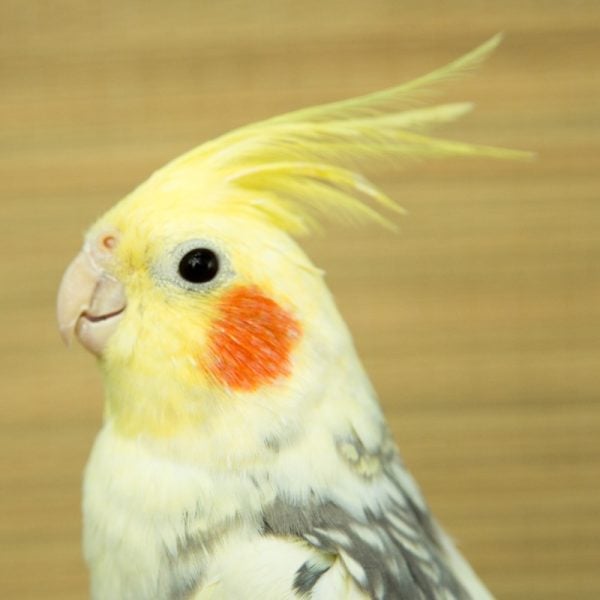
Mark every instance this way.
x=251 y=340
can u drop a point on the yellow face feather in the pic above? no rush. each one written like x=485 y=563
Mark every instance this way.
x=164 y=368
x=182 y=354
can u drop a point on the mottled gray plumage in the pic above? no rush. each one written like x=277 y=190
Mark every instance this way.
x=395 y=553
x=184 y=573
x=307 y=576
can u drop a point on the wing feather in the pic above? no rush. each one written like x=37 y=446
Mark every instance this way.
x=395 y=552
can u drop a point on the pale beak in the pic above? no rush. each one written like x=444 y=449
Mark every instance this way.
x=90 y=303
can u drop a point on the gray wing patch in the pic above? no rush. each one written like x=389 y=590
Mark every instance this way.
x=307 y=576
x=184 y=565
x=392 y=554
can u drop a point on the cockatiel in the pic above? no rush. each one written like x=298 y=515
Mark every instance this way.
x=243 y=453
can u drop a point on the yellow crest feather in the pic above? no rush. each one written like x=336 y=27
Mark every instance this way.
x=294 y=168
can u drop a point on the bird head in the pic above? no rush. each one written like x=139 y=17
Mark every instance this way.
x=192 y=291
x=191 y=303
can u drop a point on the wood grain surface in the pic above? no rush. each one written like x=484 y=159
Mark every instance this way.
x=479 y=322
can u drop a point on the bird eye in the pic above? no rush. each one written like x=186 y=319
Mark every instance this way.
x=199 y=265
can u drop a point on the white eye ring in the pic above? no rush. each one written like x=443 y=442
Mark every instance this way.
x=168 y=269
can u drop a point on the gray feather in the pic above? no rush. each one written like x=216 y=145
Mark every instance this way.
x=307 y=576
x=395 y=553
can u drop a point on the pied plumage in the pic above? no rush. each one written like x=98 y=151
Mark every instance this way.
x=243 y=452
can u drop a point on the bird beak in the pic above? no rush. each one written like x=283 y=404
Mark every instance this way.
x=90 y=303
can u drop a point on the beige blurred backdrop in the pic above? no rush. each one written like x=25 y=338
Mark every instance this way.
x=479 y=321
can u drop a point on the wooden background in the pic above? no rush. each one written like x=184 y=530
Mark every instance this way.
x=479 y=322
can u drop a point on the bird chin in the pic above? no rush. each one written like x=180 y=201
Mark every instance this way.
x=94 y=331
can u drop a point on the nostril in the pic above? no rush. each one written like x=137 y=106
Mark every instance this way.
x=100 y=246
x=108 y=242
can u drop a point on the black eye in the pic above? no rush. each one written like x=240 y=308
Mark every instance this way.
x=199 y=265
